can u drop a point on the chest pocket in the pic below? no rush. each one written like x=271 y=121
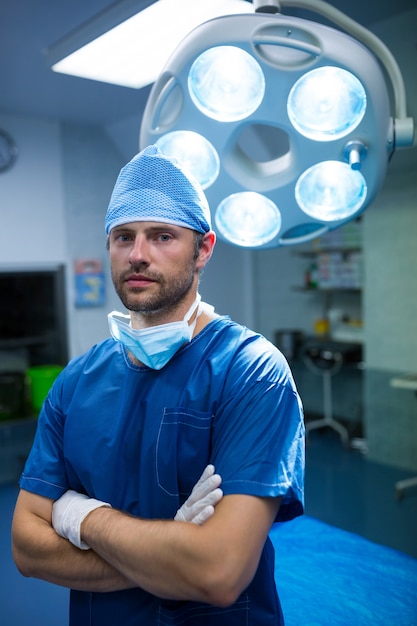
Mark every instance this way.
x=192 y=613
x=183 y=450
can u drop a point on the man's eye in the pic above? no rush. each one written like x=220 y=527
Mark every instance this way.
x=164 y=237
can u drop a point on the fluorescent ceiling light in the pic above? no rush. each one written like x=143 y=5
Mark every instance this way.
x=133 y=53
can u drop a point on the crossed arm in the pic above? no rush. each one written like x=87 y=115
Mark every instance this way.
x=210 y=563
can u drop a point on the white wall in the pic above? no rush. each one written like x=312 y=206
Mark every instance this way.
x=391 y=276
x=91 y=164
x=32 y=225
x=390 y=229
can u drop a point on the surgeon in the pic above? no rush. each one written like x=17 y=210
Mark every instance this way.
x=119 y=497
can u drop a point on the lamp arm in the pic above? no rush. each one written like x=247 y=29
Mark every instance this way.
x=367 y=38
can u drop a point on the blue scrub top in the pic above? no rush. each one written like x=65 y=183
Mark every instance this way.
x=140 y=439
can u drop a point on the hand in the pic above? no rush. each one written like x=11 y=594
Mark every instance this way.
x=199 y=507
x=69 y=511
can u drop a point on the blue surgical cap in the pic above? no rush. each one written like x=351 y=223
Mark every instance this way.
x=153 y=187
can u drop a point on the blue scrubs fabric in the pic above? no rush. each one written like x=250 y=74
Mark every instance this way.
x=140 y=439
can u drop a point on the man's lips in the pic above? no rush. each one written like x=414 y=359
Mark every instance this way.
x=138 y=280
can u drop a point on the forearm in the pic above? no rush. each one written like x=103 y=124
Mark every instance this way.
x=61 y=563
x=40 y=553
x=212 y=563
x=166 y=558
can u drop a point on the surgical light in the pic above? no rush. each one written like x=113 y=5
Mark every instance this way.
x=248 y=219
x=326 y=103
x=226 y=83
x=195 y=152
x=331 y=190
x=303 y=135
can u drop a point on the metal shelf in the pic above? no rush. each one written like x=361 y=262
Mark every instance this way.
x=314 y=253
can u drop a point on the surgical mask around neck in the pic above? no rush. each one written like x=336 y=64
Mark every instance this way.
x=156 y=345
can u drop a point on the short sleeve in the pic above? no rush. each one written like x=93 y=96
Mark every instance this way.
x=259 y=439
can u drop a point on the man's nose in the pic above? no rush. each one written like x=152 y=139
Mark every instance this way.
x=139 y=252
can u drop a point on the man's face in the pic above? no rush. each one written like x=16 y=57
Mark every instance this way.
x=153 y=265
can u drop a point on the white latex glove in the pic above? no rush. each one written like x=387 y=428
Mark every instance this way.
x=69 y=511
x=199 y=507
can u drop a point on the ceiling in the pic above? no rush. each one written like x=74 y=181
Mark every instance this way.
x=29 y=87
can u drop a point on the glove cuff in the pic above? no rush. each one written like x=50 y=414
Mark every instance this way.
x=68 y=513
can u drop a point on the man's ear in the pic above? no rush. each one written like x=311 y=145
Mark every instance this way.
x=206 y=250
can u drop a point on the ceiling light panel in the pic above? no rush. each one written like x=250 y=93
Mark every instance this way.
x=133 y=53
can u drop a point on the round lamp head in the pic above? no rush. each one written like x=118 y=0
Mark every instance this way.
x=291 y=118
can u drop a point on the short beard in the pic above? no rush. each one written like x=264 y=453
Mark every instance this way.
x=169 y=296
